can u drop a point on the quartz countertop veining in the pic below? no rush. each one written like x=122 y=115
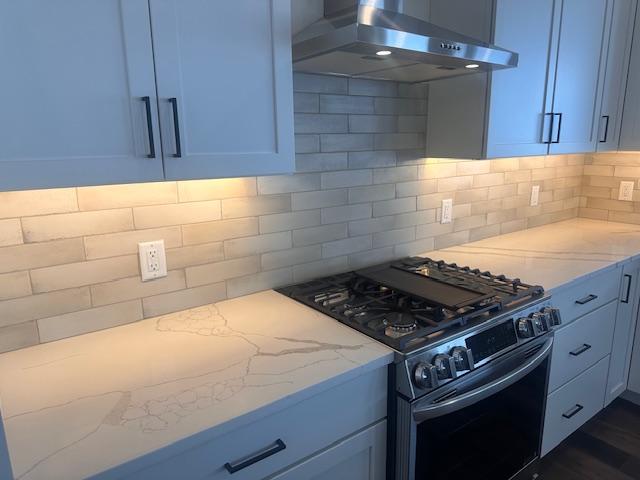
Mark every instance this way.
x=80 y=406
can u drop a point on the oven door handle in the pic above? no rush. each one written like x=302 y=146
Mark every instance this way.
x=420 y=414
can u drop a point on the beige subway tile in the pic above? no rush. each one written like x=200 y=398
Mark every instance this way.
x=37 y=202
x=555 y=161
x=220 y=271
x=315 y=235
x=194 y=255
x=416 y=247
x=451 y=239
x=471 y=195
x=319 y=199
x=10 y=232
x=433 y=230
x=437 y=170
x=418 y=187
x=120 y=196
x=611 y=182
x=578 y=159
x=486 y=207
x=502 y=216
x=45 y=305
x=24 y=257
x=370 y=257
x=131 y=288
x=624 y=217
x=247 y=246
x=69 y=225
x=517 y=176
x=81 y=274
x=254 y=206
x=624 y=171
x=14 y=285
x=176 y=214
x=218 y=189
x=18 y=336
x=473 y=167
x=529 y=163
x=301 y=182
x=77 y=323
x=594 y=213
x=515 y=201
x=528 y=211
x=501 y=191
x=320 y=268
x=607 y=204
x=481 y=233
x=599 y=170
x=184 y=299
x=571 y=171
x=501 y=165
x=432 y=200
x=116 y=244
x=467 y=223
x=454 y=183
x=488 y=179
x=221 y=230
x=347 y=246
x=237 y=287
x=543 y=173
x=513 y=226
x=293 y=256
x=395 y=206
x=279 y=222
x=573 y=202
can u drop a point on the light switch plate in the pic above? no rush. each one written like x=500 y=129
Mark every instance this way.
x=153 y=260
x=447 y=211
x=535 y=195
x=626 y=191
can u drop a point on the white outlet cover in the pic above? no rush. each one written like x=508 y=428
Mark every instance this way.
x=153 y=260
x=626 y=191
x=447 y=211
x=535 y=195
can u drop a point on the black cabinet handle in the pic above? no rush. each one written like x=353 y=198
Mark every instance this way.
x=626 y=296
x=278 y=446
x=606 y=129
x=580 y=350
x=548 y=141
x=152 y=146
x=573 y=411
x=587 y=299
x=176 y=127
x=557 y=140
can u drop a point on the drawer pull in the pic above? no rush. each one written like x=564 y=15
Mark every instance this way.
x=278 y=446
x=626 y=296
x=587 y=299
x=580 y=350
x=573 y=411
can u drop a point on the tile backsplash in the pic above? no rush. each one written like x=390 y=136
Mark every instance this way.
x=362 y=194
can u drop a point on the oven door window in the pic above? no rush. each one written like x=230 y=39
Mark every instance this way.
x=489 y=440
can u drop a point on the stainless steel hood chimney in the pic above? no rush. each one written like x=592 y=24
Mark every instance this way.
x=375 y=39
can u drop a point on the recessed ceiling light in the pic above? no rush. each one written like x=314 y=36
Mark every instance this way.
x=383 y=53
x=472 y=65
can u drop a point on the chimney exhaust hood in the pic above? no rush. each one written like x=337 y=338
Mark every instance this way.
x=375 y=39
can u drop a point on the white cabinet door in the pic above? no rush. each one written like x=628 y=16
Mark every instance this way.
x=630 y=134
x=609 y=121
x=74 y=75
x=5 y=462
x=576 y=93
x=360 y=457
x=623 y=334
x=224 y=81
x=518 y=98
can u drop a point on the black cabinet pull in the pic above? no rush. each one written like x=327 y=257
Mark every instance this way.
x=587 y=299
x=278 y=446
x=580 y=350
x=573 y=411
x=548 y=141
x=152 y=146
x=606 y=129
x=626 y=296
x=176 y=127
x=557 y=140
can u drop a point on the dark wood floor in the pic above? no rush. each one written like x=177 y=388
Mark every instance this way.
x=605 y=448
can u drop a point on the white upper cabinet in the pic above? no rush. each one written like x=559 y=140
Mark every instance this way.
x=224 y=86
x=74 y=76
x=619 y=35
x=79 y=101
x=576 y=93
x=630 y=133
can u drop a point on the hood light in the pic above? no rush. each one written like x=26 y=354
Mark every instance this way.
x=383 y=53
x=472 y=65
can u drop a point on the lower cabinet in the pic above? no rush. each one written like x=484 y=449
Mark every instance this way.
x=360 y=457
x=5 y=462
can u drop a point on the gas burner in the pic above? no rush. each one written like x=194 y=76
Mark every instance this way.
x=399 y=324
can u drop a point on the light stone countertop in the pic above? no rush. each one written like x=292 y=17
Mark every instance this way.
x=551 y=255
x=79 y=406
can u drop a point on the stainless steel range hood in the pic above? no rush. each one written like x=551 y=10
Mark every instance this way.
x=374 y=39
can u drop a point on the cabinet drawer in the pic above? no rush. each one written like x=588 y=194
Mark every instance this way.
x=281 y=439
x=573 y=404
x=584 y=297
x=581 y=344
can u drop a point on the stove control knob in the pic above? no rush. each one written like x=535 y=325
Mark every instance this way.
x=525 y=330
x=445 y=366
x=539 y=324
x=554 y=316
x=462 y=358
x=425 y=376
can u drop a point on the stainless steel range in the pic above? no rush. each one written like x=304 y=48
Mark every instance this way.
x=471 y=366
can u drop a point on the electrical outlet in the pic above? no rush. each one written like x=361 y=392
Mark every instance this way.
x=447 y=211
x=626 y=191
x=535 y=195
x=153 y=260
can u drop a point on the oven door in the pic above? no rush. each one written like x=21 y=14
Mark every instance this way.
x=488 y=424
